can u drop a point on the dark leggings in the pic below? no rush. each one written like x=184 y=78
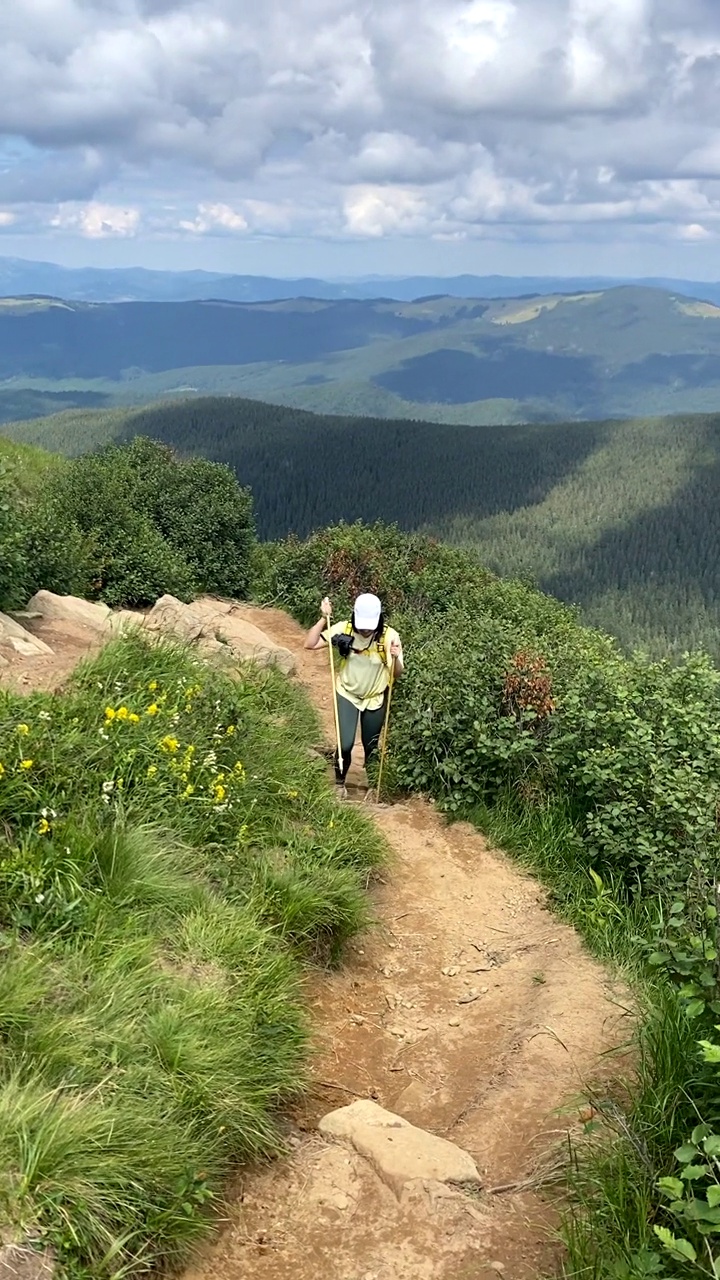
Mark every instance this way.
x=371 y=723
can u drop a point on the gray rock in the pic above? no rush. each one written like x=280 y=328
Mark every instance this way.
x=69 y=609
x=123 y=620
x=11 y=633
x=398 y=1151
x=218 y=630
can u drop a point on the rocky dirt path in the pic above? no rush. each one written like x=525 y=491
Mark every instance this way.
x=470 y=1011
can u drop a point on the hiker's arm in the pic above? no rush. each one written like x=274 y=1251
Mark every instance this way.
x=397 y=654
x=314 y=638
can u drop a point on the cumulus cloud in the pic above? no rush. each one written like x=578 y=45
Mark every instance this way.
x=96 y=221
x=386 y=118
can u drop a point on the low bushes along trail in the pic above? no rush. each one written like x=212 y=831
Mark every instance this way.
x=468 y=1009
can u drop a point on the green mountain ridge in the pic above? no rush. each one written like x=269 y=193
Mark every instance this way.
x=617 y=352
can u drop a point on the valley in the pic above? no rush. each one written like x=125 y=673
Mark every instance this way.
x=618 y=352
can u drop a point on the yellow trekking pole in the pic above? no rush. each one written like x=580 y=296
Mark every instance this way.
x=334 y=698
x=383 y=741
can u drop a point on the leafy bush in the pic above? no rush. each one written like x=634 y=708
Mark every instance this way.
x=171 y=854
x=152 y=524
x=506 y=691
x=13 y=549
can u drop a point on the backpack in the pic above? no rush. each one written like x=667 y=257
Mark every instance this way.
x=380 y=644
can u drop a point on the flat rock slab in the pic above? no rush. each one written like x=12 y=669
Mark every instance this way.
x=12 y=634
x=54 y=608
x=399 y=1153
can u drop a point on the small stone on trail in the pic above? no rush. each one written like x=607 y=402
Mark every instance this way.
x=497 y=1266
x=454 y=1022
x=399 y=1152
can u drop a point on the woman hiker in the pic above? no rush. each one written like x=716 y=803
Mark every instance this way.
x=367 y=649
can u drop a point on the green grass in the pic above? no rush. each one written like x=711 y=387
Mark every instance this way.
x=26 y=465
x=173 y=857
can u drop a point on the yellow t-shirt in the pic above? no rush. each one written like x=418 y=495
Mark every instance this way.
x=362 y=677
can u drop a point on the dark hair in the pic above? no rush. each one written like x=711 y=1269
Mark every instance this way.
x=377 y=634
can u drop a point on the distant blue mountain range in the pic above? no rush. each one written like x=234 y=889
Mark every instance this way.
x=136 y=284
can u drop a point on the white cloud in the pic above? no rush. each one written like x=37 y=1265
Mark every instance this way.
x=215 y=217
x=445 y=118
x=6 y=218
x=96 y=221
x=380 y=211
x=694 y=232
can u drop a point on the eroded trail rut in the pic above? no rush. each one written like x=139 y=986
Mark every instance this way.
x=470 y=1011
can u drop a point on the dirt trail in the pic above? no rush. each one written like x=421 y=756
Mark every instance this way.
x=468 y=1009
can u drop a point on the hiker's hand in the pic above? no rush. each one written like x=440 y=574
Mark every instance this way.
x=395 y=649
x=326 y=608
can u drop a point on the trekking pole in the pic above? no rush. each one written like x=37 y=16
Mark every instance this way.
x=334 y=699
x=383 y=742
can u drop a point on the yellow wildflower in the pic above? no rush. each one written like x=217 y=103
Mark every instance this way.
x=43 y=826
x=122 y=713
x=219 y=792
x=2 y=770
x=230 y=730
x=152 y=709
x=152 y=770
x=23 y=729
x=293 y=795
x=109 y=713
x=169 y=744
x=239 y=769
x=134 y=717
x=152 y=686
x=26 y=764
x=189 y=790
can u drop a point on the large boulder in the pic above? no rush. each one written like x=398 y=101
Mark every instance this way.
x=175 y=618
x=52 y=608
x=249 y=642
x=17 y=638
x=217 y=628
x=399 y=1153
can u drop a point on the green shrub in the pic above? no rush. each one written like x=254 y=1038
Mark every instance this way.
x=151 y=524
x=201 y=512
x=13 y=546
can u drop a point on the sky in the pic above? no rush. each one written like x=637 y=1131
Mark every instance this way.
x=352 y=137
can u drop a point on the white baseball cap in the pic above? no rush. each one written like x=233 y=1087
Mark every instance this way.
x=367 y=612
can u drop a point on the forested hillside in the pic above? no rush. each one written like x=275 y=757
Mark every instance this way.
x=602 y=353
x=622 y=518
